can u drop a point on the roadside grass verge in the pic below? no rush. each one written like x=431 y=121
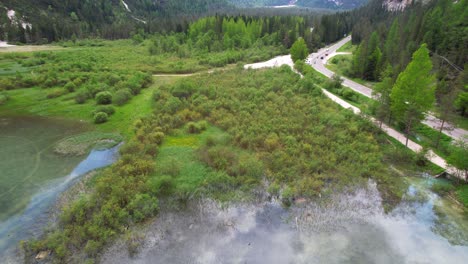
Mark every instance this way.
x=341 y=64
x=348 y=47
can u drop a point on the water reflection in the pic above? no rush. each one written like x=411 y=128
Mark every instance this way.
x=349 y=228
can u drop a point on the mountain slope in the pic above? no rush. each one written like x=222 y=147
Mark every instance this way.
x=327 y=4
x=25 y=20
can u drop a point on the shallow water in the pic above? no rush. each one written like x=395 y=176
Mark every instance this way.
x=349 y=228
x=32 y=176
x=27 y=160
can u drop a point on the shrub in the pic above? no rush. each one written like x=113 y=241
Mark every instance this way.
x=92 y=247
x=134 y=86
x=156 y=137
x=142 y=206
x=94 y=89
x=151 y=150
x=104 y=98
x=132 y=148
x=347 y=94
x=3 y=98
x=81 y=97
x=122 y=96
x=134 y=242
x=55 y=94
x=287 y=195
x=462 y=194
x=163 y=185
x=183 y=89
x=100 y=118
x=274 y=189
x=6 y=84
x=50 y=82
x=442 y=187
x=195 y=128
x=108 y=109
x=70 y=87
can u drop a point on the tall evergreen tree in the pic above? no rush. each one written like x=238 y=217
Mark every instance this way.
x=414 y=90
x=382 y=91
x=372 y=70
x=392 y=44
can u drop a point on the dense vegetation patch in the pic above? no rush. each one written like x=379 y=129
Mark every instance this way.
x=303 y=140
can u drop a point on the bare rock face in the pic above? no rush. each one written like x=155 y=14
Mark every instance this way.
x=396 y=5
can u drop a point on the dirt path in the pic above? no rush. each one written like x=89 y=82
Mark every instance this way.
x=175 y=75
x=209 y=71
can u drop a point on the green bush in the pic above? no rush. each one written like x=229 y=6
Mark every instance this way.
x=6 y=84
x=462 y=193
x=163 y=185
x=70 y=87
x=3 y=98
x=142 y=206
x=55 y=94
x=274 y=189
x=442 y=187
x=287 y=195
x=81 y=97
x=156 y=137
x=103 y=98
x=196 y=128
x=132 y=148
x=108 y=109
x=347 y=94
x=122 y=96
x=100 y=117
x=94 y=89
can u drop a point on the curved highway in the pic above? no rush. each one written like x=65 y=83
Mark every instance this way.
x=319 y=59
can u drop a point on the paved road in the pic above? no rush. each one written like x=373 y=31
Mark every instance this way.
x=319 y=59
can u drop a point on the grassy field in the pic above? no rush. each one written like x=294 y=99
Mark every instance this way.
x=33 y=101
x=178 y=159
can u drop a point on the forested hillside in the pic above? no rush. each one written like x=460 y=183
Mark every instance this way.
x=51 y=20
x=387 y=39
x=259 y=3
x=332 y=4
x=327 y=4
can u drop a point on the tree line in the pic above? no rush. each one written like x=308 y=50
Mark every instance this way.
x=385 y=49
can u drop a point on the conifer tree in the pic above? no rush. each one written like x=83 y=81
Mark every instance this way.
x=383 y=91
x=414 y=90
